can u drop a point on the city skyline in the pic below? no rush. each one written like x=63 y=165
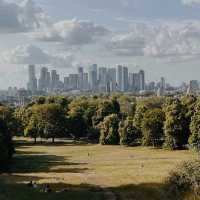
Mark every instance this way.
x=95 y=79
x=161 y=37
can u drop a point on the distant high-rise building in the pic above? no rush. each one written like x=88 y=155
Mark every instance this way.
x=112 y=78
x=162 y=85
x=119 y=77
x=73 y=81
x=32 y=80
x=193 y=87
x=66 y=83
x=131 y=81
x=48 y=81
x=112 y=74
x=80 y=78
x=85 y=81
x=43 y=80
x=136 y=79
x=125 y=79
x=54 y=80
x=93 y=77
x=142 y=80
x=102 y=79
x=109 y=87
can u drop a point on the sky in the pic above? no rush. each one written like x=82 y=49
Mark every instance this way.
x=161 y=37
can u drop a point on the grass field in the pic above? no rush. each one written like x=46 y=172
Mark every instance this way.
x=131 y=173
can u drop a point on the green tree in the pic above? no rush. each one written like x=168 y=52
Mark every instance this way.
x=195 y=126
x=128 y=132
x=7 y=114
x=77 y=125
x=32 y=128
x=152 y=127
x=6 y=146
x=138 y=118
x=128 y=105
x=80 y=117
x=109 y=134
x=47 y=121
x=174 y=125
x=41 y=100
x=189 y=103
x=104 y=109
x=23 y=115
x=116 y=106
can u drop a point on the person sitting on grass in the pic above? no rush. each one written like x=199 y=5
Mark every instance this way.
x=30 y=184
x=47 y=188
x=35 y=185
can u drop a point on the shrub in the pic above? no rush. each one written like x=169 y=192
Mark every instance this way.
x=186 y=179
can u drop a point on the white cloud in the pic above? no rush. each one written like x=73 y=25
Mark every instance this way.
x=29 y=54
x=72 y=32
x=20 y=16
x=161 y=40
x=190 y=2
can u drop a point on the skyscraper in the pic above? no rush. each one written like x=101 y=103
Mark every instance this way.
x=124 y=79
x=193 y=87
x=73 y=81
x=142 y=80
x=43 y=80
x=54 y=81
x=119 y=77
x=85 y=81
x=112 y=78
x=48 y=81
x=80 y=78
x=131 y=81
x=32 y=81
x=93 y=77
x=102 y=79
x=66 y=83
x=161 y=87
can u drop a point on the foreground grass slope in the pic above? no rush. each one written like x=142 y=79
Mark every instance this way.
x=131 y=173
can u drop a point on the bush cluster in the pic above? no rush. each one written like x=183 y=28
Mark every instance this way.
x=185 y=179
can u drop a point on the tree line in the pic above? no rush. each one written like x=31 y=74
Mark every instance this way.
x=167 y=122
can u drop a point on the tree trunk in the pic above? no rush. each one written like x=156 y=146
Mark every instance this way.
x=53 y=139
x=35 y=140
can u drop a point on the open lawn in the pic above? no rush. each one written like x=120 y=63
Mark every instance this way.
x=88 y=171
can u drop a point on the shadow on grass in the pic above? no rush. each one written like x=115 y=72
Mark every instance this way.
x=35 y=163
x=58 y=142
x=149 y=191
x=20 y=191
x=14 y=189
